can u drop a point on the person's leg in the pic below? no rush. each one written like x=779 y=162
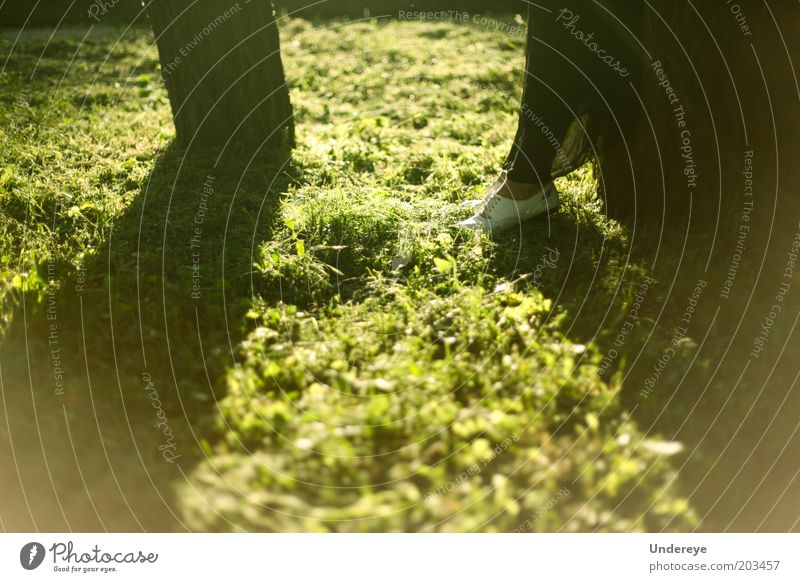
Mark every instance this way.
x=581 y=60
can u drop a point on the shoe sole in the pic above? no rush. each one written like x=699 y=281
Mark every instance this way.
x=548 y=205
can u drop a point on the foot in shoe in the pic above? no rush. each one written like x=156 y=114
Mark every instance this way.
x=504 y=208
x=496 y=186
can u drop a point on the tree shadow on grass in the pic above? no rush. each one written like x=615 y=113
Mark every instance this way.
x=111 y=369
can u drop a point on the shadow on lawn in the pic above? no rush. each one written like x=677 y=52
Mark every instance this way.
x=709 y=368
x=110 y=371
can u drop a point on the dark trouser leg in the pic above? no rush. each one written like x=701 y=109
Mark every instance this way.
x=580 y=64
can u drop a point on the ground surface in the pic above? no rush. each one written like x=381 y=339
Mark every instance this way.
x=304 y=342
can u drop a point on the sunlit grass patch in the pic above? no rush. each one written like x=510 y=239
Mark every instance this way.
x=377 y=367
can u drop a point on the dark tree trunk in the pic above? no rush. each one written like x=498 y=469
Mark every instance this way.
x=715 y=163
x=734 y=96
x=222 y=66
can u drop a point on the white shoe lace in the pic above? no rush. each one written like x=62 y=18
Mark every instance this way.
x=491 y=198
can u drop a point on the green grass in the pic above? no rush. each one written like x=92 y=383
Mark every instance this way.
x=354 y=363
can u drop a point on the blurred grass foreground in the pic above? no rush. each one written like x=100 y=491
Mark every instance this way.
x=301 y=341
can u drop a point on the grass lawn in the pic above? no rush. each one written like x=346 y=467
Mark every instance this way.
x=302 y=341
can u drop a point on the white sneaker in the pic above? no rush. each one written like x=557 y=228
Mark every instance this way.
x=499 y=213
x=498 y=184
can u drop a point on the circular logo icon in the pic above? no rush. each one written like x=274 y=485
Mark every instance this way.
x=31 y=555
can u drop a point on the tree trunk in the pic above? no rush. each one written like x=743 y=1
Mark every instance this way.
x=714 y=163
x=222 y=66
x=733 y=95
